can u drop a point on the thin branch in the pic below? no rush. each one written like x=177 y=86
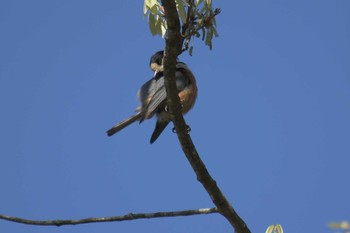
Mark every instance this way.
x=208 y=19
x=172 y=49
x=189 y=16
x=186 y=37
x=130 y=216
x=173 y=46
x=187 y=24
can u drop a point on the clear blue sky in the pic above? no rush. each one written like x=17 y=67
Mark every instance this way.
x=272 y=120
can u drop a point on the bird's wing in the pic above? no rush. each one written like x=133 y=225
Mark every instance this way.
x=146 y=92
x=158 y=92
x=158 y=97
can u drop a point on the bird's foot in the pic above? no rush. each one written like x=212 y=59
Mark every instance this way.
x=188 y=128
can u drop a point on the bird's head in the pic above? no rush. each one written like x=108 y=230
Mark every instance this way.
x=156 y=61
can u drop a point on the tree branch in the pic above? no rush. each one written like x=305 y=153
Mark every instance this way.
x=173 y=46
x=130 y=216
x=172 y=49
x=187 y=37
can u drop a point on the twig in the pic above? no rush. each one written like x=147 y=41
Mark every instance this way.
x=130 y=216
x=186 y=38
x=185 y=26
x=172 y=49
x=208 y=19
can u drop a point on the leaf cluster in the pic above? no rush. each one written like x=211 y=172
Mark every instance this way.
x=197 y=18
x=155 y=12
x=343 y=225
x=274 y=229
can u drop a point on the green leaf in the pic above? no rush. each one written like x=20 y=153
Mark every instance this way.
x=200 y=22
x=344 y=225
x=191 y=50
x=216 y=34
x=198 y=2
x=152 y=24
x=214 y=21
x=209 y=37
x=164 y=28
x=159 y=26
x=154 y=9
x=145 y=9
x=334 y=225
x=203 y=34
x=151 y=3
x=208 y=5
x=182 y=11
x=270 y=229
x=274 y=229
x=278 y=228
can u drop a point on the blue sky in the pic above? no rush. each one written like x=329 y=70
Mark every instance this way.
x=271 y=121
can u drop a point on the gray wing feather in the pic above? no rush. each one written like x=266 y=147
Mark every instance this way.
x=146 y=91
x=158 y=97
x=156 y=89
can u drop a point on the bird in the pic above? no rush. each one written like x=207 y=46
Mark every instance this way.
x=153 y=98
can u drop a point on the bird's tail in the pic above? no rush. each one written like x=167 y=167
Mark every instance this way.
x=160 y=126
x=121 y=125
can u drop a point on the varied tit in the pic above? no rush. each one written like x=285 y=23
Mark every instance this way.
x=153 y=98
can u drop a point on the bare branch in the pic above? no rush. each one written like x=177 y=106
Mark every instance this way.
x=127 y=217
x=174 y=41
x=172 y=49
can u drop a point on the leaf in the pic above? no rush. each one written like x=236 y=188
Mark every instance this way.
x=198 y=2
x=150 y=3
x=216 y=34
x=209 y=38
x=278 y=228
x=182 y=11
x=200 y=22
x=214 y=21
x=191 y=50
x=270 y=229
x=164 y=28
x=334 y=225
x=152 y=24
x=208 y=5
x=158 y=25
x=145 y=9
x=274 y=229
x=344 y=225
x=203 y=33
x=154 y=10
